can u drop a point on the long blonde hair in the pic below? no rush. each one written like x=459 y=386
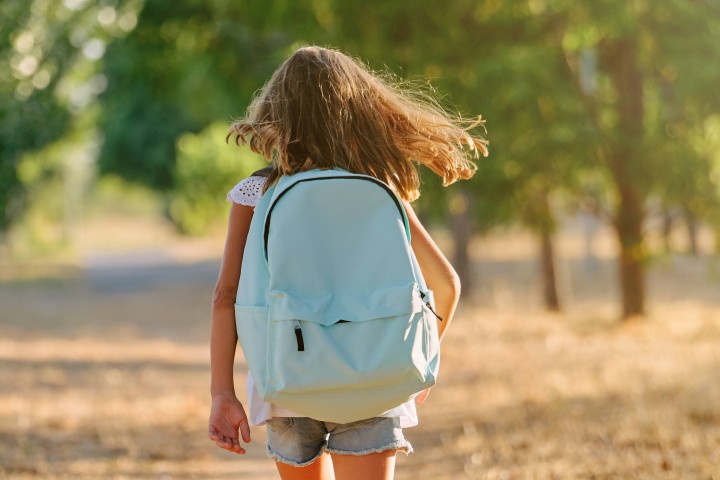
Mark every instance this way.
x=323 y=109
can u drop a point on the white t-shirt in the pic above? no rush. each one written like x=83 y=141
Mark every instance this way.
x=247 y=193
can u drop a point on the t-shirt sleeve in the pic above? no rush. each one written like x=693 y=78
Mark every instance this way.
x=247 y=192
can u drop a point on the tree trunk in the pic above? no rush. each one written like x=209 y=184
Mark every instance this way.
x=549 y=279
x=624 y=161
x=692 y=230
x=461 y=222
x=667 y=227
x=632 y=253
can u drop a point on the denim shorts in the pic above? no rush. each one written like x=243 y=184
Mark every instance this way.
x=299 y=441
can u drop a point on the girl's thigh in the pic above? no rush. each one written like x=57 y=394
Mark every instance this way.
x=320 y=469
x=372 y=466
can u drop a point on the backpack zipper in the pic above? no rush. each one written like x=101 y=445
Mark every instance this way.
x=299 y=336
x=427 y=304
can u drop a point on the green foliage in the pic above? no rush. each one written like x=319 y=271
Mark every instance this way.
x=186 y=64
x=24 y=126
x=676 y=59
x=55 y=180
x=29 y=116
x=140 y=133
x=497 y=59
x=41 y=227
x=45 y=82
x=207 y=168
x=112 y=195
x=180 y=65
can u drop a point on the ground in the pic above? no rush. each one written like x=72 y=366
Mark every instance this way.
x=104 y=372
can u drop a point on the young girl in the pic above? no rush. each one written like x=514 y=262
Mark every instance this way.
x=320 y=110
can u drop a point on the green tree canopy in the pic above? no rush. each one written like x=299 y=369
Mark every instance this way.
x=187 y=64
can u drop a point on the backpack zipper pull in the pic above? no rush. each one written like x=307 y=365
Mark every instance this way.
x=299 y=336
x=427 y=304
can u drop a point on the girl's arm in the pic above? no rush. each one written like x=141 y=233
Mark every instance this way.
x=439 y=274
x=437 y=270
x=227 y=414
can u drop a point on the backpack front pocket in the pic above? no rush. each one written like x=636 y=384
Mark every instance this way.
x=321 y=358
x=349 y=355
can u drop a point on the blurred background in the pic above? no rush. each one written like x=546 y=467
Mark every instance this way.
x=588 y=341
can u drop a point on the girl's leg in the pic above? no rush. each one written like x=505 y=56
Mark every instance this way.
x=373 y=466
x=320 y=469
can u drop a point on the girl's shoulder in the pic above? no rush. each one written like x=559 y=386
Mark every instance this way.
x=248 y=191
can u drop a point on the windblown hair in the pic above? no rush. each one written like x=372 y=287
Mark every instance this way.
x=323 y=109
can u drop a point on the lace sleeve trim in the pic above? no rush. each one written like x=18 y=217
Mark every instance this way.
x=247 y=192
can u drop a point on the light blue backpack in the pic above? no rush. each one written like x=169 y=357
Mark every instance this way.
x=332 y=312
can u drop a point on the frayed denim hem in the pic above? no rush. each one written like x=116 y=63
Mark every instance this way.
x=402 y=446
x=277 y=457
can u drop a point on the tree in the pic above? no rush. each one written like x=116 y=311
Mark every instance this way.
x=30 y=116
x=186 y=65
x=206 y=169
x=641 y=62
x=50 y=49
x=568 y=87
x=498 y=60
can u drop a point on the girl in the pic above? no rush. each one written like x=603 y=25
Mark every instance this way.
x=320 y=110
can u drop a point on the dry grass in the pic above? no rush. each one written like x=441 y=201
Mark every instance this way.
x=104 y=375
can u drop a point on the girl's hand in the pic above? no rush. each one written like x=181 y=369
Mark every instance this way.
x=227 y=416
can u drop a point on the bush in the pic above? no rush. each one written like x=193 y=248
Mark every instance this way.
x=207 y=168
